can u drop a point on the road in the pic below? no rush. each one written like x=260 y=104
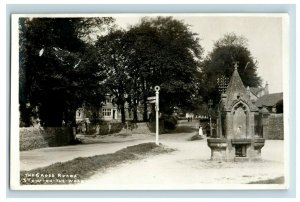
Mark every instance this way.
x=47 y=156
x=188 y=167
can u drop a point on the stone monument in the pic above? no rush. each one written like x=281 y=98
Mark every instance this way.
x=236 y=140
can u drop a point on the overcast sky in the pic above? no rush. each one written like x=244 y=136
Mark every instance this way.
x=264 y=34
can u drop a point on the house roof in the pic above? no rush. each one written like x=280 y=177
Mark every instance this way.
x=264 y=110
x=256 y=90
x=269 y=100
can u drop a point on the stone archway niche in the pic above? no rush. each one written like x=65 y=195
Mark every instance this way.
x=240 y=119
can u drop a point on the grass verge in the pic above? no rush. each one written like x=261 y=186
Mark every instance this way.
x=196 y=137
x=278 y=180
x=78 y=169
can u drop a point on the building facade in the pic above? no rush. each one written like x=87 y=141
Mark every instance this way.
x=109 y=111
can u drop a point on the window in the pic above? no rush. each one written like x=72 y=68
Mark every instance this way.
x=106 y=112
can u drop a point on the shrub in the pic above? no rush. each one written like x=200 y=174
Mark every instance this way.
x=196 y=137
x=170 y=121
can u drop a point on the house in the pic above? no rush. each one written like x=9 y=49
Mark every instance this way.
x=189 y=115
x=257 y=92
x=110 y=112
x=270 y=102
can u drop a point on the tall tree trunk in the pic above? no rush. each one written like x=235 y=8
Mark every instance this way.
x=145 y=96
x=122 y=107
x=25 y=115
x=145 y=114
x=135 y=101
x=51 y=115
x=135 y=116
x=71 y=121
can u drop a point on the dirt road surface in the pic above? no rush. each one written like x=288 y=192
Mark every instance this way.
x=188 y=167
x=46 y=156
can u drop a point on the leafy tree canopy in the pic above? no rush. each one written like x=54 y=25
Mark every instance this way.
x=229 y=49
x=58 y=70
x=166 y=53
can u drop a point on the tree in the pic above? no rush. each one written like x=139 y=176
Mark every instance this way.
x=158 y=51
x=56 y=74
x=112 y=52
x=279 y=107
x=166 y=53
x=229 y=49
x=143 y=46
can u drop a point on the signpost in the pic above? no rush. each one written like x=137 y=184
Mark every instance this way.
x=157 y=88
x=151 y=99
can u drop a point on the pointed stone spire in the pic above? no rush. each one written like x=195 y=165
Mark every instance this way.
x=235 y=85
x=237 y=91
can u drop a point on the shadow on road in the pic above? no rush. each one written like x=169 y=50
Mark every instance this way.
x=183 y=129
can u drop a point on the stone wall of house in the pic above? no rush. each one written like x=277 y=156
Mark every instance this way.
x=274 y=129
x=34 y=138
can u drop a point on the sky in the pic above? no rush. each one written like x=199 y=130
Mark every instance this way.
x=264 y=34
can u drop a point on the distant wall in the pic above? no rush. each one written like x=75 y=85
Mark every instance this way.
x=140 y=128
x=104 y=129
x=274 y=129
x=111 y=128
x=137 y=128
x=34 y=138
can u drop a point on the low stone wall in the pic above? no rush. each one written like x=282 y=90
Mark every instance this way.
x=104 y=129
x=127 y=128
x=34 y=138
x=274 y=129
x=135 y=128
x=140 y=128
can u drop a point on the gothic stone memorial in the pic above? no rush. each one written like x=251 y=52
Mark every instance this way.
x=236 y=140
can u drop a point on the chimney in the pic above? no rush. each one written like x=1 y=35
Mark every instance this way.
x=267 y=88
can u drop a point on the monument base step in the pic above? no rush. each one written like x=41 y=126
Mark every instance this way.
x=241 y=159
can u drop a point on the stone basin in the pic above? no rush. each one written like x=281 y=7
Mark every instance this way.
x=218 y=148
x=240 y=141
x=259 y=140
x=217 y=142
x=259 y=143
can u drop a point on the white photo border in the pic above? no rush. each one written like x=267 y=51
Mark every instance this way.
x=288 y=77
